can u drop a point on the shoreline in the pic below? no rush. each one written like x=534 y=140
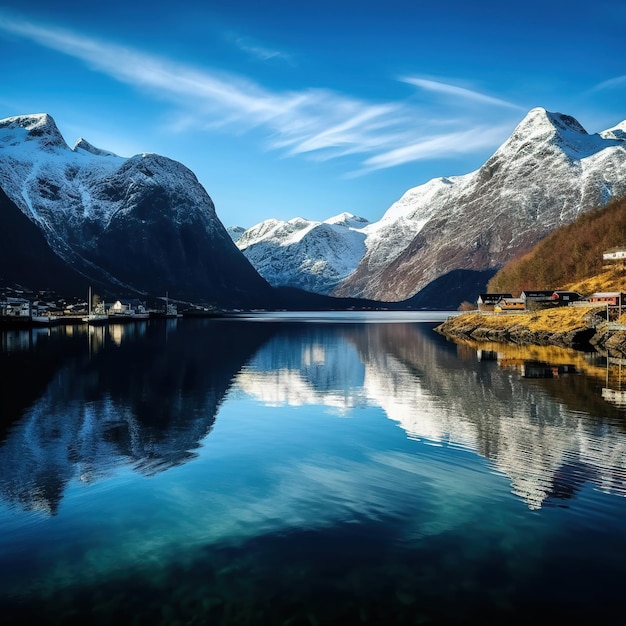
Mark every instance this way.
x=586 y=332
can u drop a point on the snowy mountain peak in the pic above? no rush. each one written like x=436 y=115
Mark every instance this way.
x=348 y=219
x=539 y=121
x=39 y=127
x=83 y=144
x=542 y=130
x=545 y=174
x=314 y=256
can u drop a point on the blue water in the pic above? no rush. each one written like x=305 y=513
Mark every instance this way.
x=306 y=470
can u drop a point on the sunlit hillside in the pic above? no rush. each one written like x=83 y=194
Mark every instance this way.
x=609 y=280
x=571 y=256
x=563 y=319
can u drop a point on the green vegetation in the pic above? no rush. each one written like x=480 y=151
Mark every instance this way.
x=571 y=256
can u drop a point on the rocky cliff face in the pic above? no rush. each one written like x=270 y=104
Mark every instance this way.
x=143 y=224
x=547 y=173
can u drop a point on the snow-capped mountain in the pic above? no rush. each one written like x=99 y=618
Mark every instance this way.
x=143 y=224
x=548 y=172
x=310 y=255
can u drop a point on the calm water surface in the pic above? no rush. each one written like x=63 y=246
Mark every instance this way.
x=283 y=470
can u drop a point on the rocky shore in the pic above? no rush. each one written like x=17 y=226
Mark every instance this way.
x=588 y=332
x=609 y=341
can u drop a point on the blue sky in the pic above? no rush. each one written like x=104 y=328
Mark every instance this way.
x=286 y=109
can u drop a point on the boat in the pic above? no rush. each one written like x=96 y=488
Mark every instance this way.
x=42 y=320
x=18 y=312
x=98 y=316
x=141 y=313
x=170 y=311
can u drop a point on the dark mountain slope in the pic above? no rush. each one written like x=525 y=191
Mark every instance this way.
x=26 y=258
x=141 y=225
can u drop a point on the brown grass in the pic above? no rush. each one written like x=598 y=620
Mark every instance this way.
x=559 y=319
x=608 y=280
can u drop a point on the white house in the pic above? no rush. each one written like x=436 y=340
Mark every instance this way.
x=615 y=254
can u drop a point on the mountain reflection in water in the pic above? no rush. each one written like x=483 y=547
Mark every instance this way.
x=142 y=395
x=384 y=474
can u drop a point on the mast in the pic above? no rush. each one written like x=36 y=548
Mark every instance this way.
x=89 y=303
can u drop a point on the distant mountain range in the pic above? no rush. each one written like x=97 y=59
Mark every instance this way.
x=548 y=172
x=316 y=256
x=73 y=217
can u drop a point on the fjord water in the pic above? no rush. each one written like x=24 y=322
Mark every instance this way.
x=306 y=470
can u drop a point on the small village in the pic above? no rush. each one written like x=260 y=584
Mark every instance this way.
x=532 y=300
x=23 y=308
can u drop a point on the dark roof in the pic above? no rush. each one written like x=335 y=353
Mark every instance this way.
x=493 y=297
x=562 y=292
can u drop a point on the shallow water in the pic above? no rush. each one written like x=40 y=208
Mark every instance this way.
x=285 y=470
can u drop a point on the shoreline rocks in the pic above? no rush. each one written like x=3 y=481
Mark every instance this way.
x=600 y=338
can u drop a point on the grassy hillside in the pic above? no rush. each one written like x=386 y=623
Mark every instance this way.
x=571 y=256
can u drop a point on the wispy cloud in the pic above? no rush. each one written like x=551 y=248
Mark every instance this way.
x=458 y=92
x=257 y=50
x=612 y=83
x=448 y=144
x=321 y=123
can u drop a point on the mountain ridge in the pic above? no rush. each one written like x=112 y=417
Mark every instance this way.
x=544 y=175
x=571 y=257
x=547 y=172
x=142 y=224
